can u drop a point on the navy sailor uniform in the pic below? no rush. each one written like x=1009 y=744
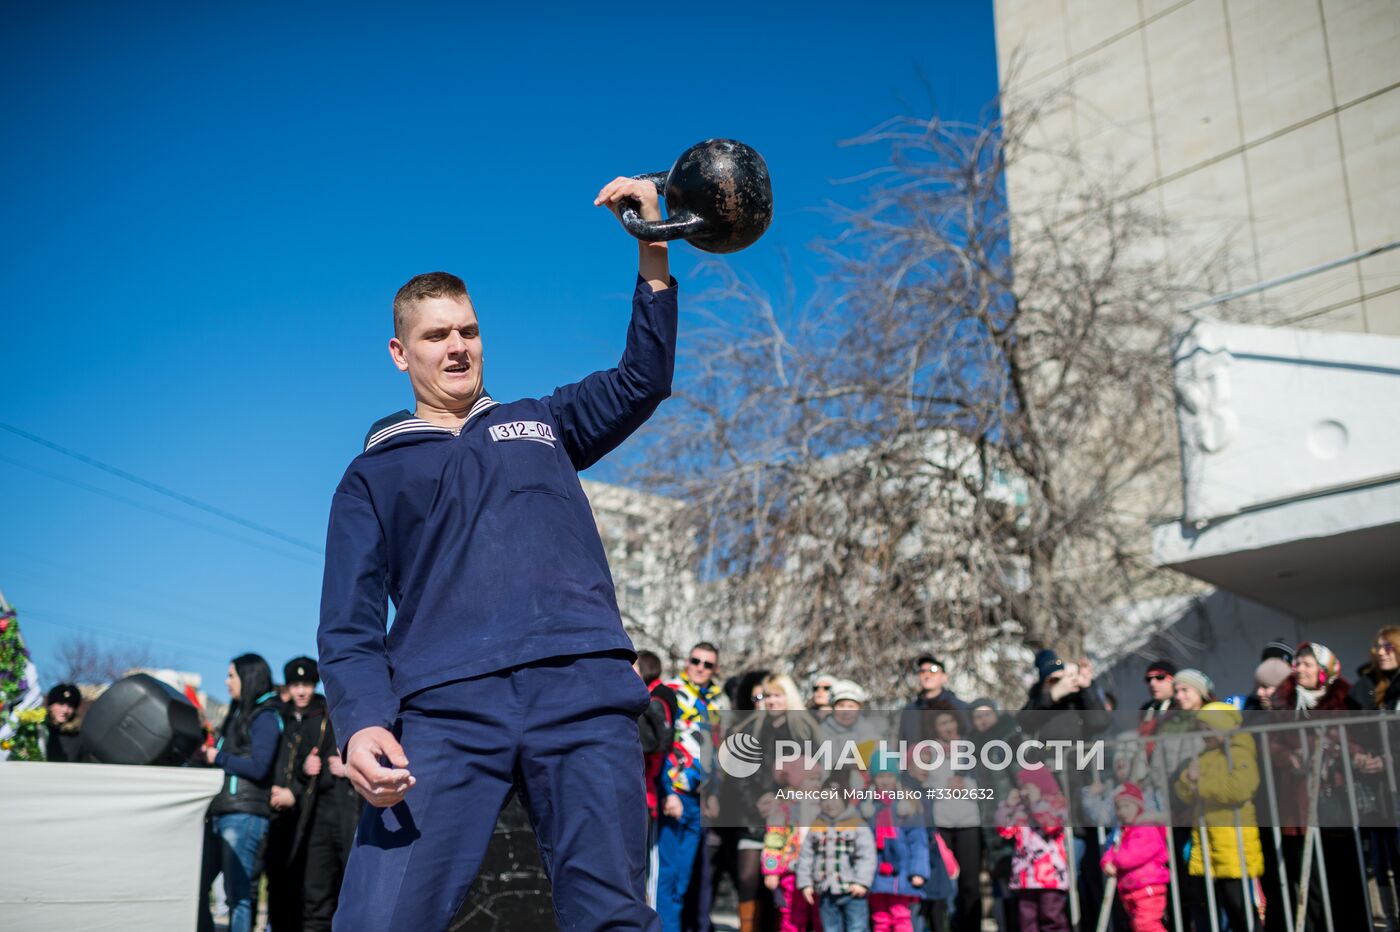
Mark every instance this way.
x=506 y=666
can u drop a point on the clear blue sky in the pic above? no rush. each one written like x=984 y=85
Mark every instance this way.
x=207 y=210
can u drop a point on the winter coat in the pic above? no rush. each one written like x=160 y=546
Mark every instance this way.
x=697 y=736
x=916 y=724
x=321 y=801
x=782 y=841
x=739 y=799
x=1001 y=782
x=1369 y=680
x=657 y=730
x=1224 y=797
x=1293 y=769
x=798 y=725
x=952 y=811
x=1179 y=745
x=901 y=849
x=1038 y=859
x=65 y=743
x=1081 y=713
x=1141 y=856
x=836 y=854
x=247 y=761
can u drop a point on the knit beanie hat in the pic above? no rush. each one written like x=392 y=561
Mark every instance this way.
x=845 y=689
x=1197 y=681
x=884 y=762
x=1279 y=648
x=1162 y=666
x=1271 y=672
x=1130 y=791
x=1047 y=662
x=1039 y=777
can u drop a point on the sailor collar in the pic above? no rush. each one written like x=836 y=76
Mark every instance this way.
x=403 y=422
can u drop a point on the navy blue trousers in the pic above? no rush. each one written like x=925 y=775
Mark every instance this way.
x=561 y=732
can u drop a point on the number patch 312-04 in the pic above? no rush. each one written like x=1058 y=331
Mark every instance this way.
x=537 y=431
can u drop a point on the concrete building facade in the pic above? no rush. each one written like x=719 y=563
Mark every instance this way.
x=1273 y=124
x=1268 y=130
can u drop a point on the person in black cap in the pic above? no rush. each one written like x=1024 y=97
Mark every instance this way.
x=64 y=741
x=317 y=808
x=1068 y=688
x=1160 y=678
x=933 y=690
x=303 y=721
x=326 y=805
x=1280 y=648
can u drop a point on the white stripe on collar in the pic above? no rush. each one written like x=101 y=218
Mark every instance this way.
x=412 y=424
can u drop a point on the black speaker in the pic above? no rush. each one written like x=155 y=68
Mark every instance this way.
x=511 y=889
x=140 y=720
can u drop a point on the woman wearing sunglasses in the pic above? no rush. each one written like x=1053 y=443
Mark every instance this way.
x=1377 y=686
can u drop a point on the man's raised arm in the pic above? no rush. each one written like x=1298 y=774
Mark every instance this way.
x=653 y=259
x=598 y=413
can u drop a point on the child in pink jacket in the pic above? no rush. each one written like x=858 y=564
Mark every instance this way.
x=1033 y=817
x=1139 y=860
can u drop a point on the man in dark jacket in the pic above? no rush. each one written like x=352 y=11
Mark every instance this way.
x=65 y=742
x=304 y=725
x=328 y=809
x=933 y=690
x=657 y=729
x=934 y=695
x=1160 y=678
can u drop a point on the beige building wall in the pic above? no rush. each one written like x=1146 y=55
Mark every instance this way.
x=1268 y=126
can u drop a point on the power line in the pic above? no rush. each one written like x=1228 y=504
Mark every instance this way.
x=142 y=506
x=119 y=583
x=118 y=598
x=163 y=490
x=43 y=617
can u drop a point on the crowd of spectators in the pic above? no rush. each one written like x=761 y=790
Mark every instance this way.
x=286 y=810
x=1179 y=818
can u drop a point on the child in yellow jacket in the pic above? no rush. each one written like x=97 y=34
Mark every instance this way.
x=1221 y=784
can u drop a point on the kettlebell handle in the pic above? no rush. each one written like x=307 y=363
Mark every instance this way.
x=677 y=226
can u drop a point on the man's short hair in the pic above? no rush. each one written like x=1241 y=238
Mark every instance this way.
x=705 y=645
x=648 y=666
x=427 y=285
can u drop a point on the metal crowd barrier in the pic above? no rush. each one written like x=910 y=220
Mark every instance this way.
x=1313 y=737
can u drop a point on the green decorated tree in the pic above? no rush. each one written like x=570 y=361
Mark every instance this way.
x=22 y=711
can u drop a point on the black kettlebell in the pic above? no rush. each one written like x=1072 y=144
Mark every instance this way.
x=718 y=198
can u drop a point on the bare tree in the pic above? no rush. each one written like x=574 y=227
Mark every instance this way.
x=84 y=660
x=955 y=447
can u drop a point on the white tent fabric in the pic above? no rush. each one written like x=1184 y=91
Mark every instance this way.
x=101 y=846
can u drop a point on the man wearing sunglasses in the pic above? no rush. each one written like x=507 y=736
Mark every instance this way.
x=822 y=684
x=699 y=700
x=1160 y=679
x=935 y=694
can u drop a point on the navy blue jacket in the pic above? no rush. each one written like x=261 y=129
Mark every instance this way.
x=483 y=539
